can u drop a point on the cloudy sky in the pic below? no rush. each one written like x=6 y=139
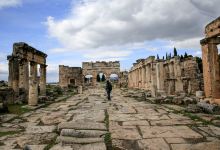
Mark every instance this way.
x=72 y=31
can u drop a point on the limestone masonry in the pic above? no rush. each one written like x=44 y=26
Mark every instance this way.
x=166 y=77
x=210 y=57
x=70 y=76
x=23 y=59
x=76 y=75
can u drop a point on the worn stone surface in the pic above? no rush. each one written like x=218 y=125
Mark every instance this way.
x=169 y=131
x=80 y=123
x=153 y=144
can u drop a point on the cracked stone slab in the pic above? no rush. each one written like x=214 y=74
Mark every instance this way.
x=82 y=126
x=171 y=122
x=175 y=140
x=169 y=131
x=136 y=123
x=93 y=146
x=214 y=145
x=35 y=147
x=72 y=140
x=153 y=144
x=125 y=133
x=61 y=147
x=40 y=129
x=82 y=133
x=212 y=130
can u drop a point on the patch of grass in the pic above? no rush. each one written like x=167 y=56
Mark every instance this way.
x=107 y=138
x=197 y=118
x=9 y=133
x=17 y=109
x=108 y=141
x=51 y=144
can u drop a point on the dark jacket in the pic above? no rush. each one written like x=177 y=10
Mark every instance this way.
x=108 y=87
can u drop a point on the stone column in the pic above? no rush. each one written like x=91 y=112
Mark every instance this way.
x=33 y=85
x=10 y=69
x=153 y=83
x=43 y=73
x=211 y=69
x=178 y=75
x=24 y=78
x=143 y=76
x=160 y=77
x=15 y=76
x=23 y=75
x=148 y=77
x=171 y=84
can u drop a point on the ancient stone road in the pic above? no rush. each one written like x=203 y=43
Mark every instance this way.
x=82 y=122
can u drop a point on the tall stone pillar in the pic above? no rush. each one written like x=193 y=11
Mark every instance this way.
x=10 y=69
x=43 y=73
x=153 y=86
x=24 y=78
x=143 y=76
x=33 y=85
x=160 y=77
x=15 y=76
x=23 y=75
x=211 y=69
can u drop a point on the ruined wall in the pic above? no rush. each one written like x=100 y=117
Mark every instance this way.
x=211 y=69
x=94 y=68
x=165 y=76
x=70 y=76
x=123 y=79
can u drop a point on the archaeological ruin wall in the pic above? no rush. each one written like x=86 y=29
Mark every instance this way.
x=166 y=77
x=23 y=74
x=94 y=68
x=70 y=76
x=211 y=62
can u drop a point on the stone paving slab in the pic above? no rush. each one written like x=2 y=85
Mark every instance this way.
x=169 y=131
x=93 y=146
x=136 y=123
x=171 y=122
x=153 y=144
x=175 y=140
x=125 y=133
x=211 y=130
x=40 y=129
x=82 y=126
x=82 y=133
x=73 y=140
x=215 y=145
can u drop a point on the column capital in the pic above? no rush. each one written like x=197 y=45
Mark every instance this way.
x=43 y=66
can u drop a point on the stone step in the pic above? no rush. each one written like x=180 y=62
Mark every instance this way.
x=82 y=126
x=72 y=140
x=82 y=133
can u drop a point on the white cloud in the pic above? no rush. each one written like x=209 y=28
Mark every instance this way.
x=98 y=54
x=191 y=43
x=9 y=3
x=97 y=23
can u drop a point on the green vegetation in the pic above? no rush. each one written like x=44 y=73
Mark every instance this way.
x=107 y=138
x=174 y=52
x=9 y=133
x=51 y=144
x=17 y=109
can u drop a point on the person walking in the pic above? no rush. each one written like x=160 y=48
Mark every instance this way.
x=108 y=89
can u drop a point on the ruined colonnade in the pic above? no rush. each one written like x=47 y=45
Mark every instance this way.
x=165 y=77
x=23 y=71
